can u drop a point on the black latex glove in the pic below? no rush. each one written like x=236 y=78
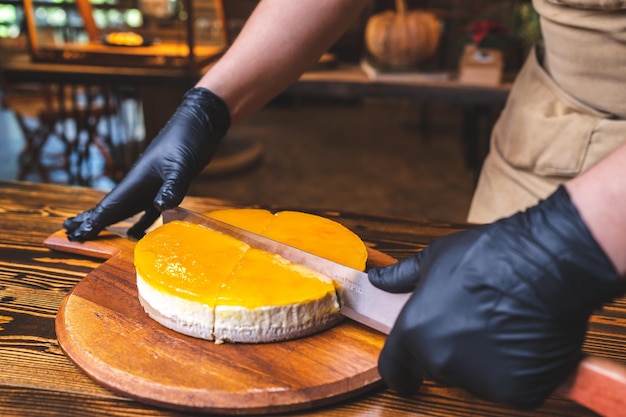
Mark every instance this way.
x=500 y=310
x=161 y=176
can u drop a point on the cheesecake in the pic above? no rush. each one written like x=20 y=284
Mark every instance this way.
x=205 y=284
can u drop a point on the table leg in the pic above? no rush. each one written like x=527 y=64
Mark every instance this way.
x=159 y=104
x=478 y=121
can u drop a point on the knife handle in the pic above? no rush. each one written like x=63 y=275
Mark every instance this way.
x=598 y=384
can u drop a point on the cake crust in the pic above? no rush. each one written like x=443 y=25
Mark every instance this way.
x=226 y=323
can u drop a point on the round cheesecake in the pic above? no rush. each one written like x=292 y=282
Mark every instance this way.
x=202 y=283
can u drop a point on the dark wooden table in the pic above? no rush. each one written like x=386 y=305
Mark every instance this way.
x=36 y=378
x=481 y=104
x=344 y=80
x=160 y=91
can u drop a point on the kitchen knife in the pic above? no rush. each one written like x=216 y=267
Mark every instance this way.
x=359 y=300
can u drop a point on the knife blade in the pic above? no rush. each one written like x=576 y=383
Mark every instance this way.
x=359 y=300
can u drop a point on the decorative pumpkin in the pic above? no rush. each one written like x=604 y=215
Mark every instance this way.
x=402 y=38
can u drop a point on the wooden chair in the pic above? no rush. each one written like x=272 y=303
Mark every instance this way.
x=26 y=104
x=71 y=114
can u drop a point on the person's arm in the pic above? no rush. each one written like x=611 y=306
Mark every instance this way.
x=502 y=309
x=280 y=41
x=600 y=196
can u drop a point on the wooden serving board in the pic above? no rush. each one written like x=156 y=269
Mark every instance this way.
x=104 y=330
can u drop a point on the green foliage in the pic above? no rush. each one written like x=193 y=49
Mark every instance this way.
x=527 y=25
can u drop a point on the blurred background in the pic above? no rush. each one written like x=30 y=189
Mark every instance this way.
x=86 y=84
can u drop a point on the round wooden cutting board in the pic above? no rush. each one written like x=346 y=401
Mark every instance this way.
x=104 y=330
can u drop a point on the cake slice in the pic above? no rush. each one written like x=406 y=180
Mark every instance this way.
x=180 y=269
x=267 y=298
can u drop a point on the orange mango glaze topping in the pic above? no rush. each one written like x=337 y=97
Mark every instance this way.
x=198 y=264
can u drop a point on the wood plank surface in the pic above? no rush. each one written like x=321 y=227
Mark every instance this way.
x=37 y=379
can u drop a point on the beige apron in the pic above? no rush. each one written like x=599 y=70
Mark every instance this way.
x=545 y=135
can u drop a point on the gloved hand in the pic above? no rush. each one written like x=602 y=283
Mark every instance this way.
x=162 y=175
x=500 y=310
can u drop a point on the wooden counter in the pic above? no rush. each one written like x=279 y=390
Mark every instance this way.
x=37 y=379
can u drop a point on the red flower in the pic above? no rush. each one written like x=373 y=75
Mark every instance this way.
x=481 y=29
